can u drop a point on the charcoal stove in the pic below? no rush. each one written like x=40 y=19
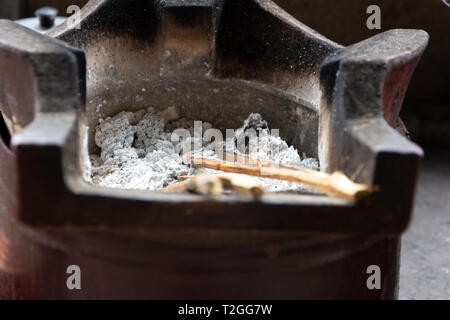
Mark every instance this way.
x=216 y=61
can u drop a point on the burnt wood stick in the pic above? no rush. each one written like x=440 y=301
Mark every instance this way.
x=240 y=158
x=217 y=184
x=335 y=185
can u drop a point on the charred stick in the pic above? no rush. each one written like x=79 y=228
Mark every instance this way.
x=335 y=185
x=217 y=184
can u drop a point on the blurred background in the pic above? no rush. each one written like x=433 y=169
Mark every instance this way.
x=425 y=271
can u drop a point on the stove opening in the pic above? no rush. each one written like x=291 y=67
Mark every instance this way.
x=149 y=136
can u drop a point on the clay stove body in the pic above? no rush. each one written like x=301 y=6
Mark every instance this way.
x=216 y=61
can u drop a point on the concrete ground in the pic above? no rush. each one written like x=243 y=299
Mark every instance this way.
x=425 y=268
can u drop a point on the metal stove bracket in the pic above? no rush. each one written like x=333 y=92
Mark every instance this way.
x=363 y=90
x=41 y=87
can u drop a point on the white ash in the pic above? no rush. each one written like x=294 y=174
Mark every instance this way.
x=137 y=153
x=272 y=148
